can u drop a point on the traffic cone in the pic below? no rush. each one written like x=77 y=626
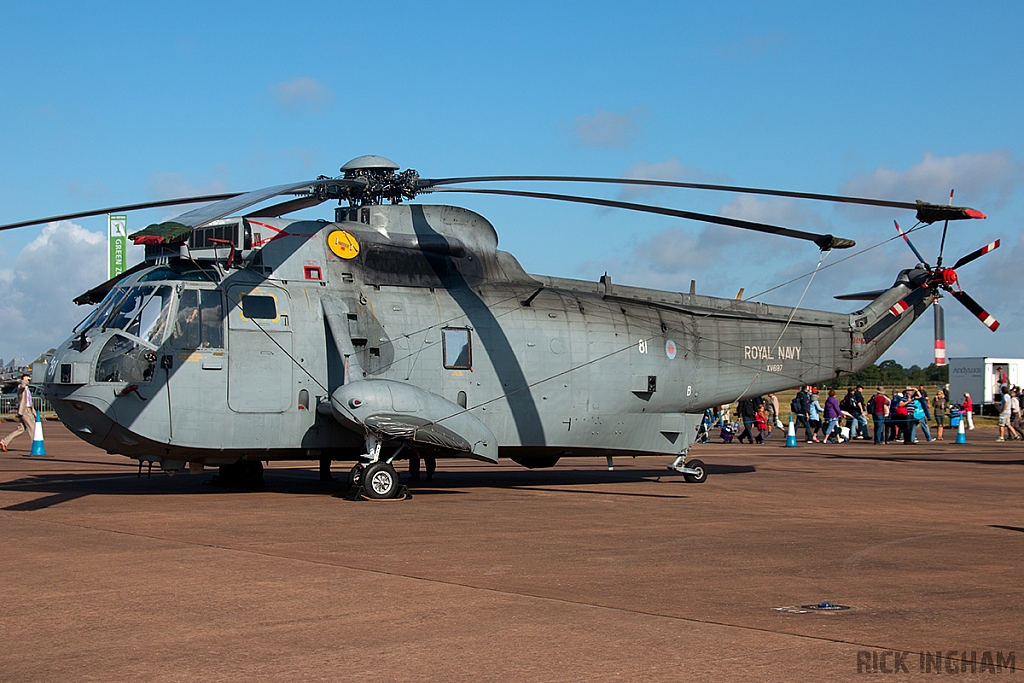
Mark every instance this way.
x=961 y=435
x=37 y=439
x=791 y=433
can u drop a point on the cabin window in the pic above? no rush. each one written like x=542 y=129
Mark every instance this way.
x=200 y=320
x=455 y=343
x=259 y=307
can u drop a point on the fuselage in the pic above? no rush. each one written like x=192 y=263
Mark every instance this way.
x=192 y=361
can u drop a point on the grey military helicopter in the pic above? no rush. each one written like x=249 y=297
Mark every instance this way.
x=400 y=329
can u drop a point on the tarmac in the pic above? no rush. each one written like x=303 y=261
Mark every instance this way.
x=497 y=573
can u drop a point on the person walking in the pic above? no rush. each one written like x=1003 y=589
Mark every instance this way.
x=940 y=406
x=771 y=408
x=968 y=410
x=801 y=407
x=747 y=409
x=814 y=414
x=1005 y=428
x=26 y=413
x=922 y=415
x=832 y=414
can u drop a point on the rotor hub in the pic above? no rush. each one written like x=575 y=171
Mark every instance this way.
x=949 y=276
x=381 y=181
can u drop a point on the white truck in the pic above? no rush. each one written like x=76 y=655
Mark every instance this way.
x=982 y=378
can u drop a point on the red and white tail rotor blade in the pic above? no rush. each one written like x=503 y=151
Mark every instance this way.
x=976 y=254
x=975 y=308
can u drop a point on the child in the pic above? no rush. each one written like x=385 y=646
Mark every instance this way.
x=761 y=422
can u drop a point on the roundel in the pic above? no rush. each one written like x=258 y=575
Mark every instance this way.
x=670 y=349
x=343 y=244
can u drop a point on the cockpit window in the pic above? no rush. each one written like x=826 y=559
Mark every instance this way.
x=199 y=321
x=151 y=323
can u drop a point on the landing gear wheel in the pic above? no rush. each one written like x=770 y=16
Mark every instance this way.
x=698 y=466
x=380 y=480
x=355 y=474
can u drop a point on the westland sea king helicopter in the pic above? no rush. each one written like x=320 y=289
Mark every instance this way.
x=400 y=329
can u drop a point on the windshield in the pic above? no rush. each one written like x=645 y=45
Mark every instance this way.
x=102 y=310
x=128 y=309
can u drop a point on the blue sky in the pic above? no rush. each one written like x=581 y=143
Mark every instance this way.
x=121 y=102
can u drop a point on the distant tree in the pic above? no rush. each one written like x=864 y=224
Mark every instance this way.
x=890 y=373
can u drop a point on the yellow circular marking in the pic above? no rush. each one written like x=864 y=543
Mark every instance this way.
x=343 y=244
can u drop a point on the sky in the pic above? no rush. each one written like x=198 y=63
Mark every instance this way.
x=120 y=103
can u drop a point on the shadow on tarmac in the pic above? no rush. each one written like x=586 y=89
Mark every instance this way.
x=65 y=487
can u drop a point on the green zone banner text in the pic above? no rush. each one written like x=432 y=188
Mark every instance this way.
x=117 y=238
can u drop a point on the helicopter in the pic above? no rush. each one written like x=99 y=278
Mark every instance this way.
x=399 y=329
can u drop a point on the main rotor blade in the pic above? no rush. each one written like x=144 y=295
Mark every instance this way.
x=824 y=242
x=125 y=207
x=977 y=253
x=196 y=218
x=278 y=210
x=975 y=308
x=926 y=211
x=429 y=182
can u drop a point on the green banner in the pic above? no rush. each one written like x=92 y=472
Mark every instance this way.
x=117 y=239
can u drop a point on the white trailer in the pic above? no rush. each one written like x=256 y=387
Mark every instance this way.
x=982 y=377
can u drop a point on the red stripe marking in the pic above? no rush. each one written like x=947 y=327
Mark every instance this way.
x=279 y=231
x=899 y=308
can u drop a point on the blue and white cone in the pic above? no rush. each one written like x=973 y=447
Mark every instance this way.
x=961 y=435
x=37 y=438
x=791 y=433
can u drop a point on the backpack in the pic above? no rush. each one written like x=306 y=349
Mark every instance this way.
x=871 y=405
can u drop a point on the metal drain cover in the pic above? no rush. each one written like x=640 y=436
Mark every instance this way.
x=826 y=607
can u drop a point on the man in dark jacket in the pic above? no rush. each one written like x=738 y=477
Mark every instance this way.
x=801 y=407
x=747 y=409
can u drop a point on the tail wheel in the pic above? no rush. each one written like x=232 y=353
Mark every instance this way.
x=697 y=466
x=380 y=480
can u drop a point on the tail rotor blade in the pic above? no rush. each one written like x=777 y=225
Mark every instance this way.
x=910 y=244
x=940 y=335
x=978 y=253
x=975 y=308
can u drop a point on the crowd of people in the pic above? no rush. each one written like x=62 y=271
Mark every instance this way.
x=897 y=417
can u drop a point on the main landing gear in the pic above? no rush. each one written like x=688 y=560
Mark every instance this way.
x=376 y=479
x=694 y=471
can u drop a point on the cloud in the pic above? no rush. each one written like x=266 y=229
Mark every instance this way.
x=35 y=304
x=977 y=177
x=303 y=95
x=608 y=128
x=670 y=169
x=756 y=47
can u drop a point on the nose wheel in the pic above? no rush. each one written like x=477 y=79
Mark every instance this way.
x=376 y=480
x=380 y=480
